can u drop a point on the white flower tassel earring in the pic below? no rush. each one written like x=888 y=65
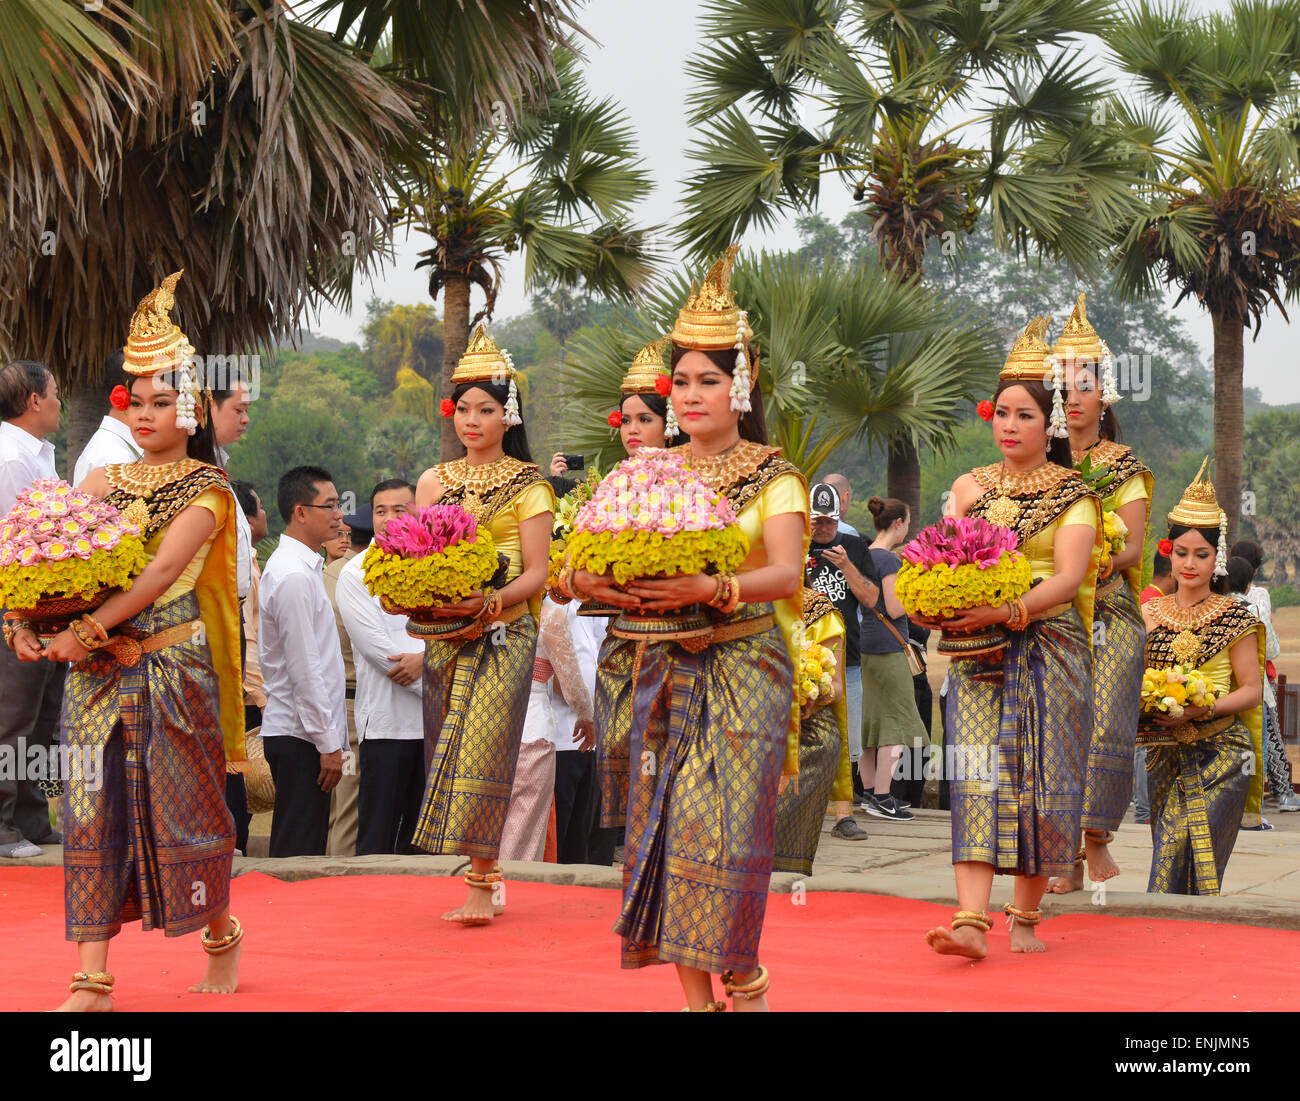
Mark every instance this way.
x=1109 y=395
x=1057 y=425
x=740 y=384
x=1221 y=552
x=187 y=400
x=671 y=428
x=512 y=416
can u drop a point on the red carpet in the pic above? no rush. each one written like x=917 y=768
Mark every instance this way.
x=375 y=943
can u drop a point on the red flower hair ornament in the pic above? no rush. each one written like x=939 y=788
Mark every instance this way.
x=120 y=398
x=985 y=410
x=448 y=407
x=663 y=385
x=616 y=419
x=1165 y=547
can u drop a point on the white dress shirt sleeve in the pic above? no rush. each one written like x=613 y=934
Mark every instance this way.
x=303 y=661
x=364 y=620
x=243 y=552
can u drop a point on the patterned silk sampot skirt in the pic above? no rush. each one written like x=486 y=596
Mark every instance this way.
x=1118 y=661
x=475 y=700
x=613 y=704
x=146 y=830
x=1198 y=795
x=801 y=814
x=708 y=742
x=1017 y=742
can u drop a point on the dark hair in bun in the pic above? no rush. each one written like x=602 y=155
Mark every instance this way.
x=886 y=511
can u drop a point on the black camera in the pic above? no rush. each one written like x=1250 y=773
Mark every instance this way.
x=574 y=462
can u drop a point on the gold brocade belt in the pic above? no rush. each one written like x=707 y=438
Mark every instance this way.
x=1113 y=582
x=1053 y=611
x=724 y=632
x=130 y=646
x=476 y=627
x=1185 y=733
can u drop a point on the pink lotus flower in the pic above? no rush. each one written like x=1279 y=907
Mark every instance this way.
x=29 y=554
x=57 y=550
x=970 y=540
x=428 y=531
x=82 y=547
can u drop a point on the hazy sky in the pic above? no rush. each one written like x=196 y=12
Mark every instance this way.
x=640 y=58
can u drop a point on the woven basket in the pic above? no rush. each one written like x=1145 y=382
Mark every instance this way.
x=259 y=788
x=63 y=609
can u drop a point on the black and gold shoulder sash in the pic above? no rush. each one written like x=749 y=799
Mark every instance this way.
x=138 y=492
x=1180 y=639
x=1120 y=460
x=1037 y=503
x=815 y=606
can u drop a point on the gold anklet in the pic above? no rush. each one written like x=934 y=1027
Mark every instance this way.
x=755 y=988
x=973 y=919
x=1028 y=917
x=215 y=946
x=100 y=981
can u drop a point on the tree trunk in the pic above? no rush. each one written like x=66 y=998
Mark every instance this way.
x=904 y=479
x=86 y=409
x=1229 y=339
x=455 y=328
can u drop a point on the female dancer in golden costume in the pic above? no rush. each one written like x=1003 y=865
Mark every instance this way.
x=1024 y=724
x=646 y=418
x=155 y=688
x=1118 y=643
x=1197 y=768
x=477 y=680
x=710 y=730
x=824 y=769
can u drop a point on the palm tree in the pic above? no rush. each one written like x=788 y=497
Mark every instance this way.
x=1219 y=137
x=558 y=183
x=882 y=78
x=848 y=353
x=252 y=149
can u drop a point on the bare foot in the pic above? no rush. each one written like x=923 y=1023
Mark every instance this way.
x=222 y=974
x=966 y=941
x=1024 y=939
x=1101 y=865
x=477 y=909
x=86 y=1001
x=1064 y=884
x=750 y=1005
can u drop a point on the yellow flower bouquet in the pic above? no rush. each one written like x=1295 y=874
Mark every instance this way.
x=428 y=559
x=566 y=511
x=1169 y=691
x=64 y=552
x=1114 y=535
x=815 y=675
x=958 y=564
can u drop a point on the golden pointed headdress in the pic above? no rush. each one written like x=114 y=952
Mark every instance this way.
x=1029 y=354
x=648 y=365
x=1199 y=508
x=155 y=343
x=711 y=321
x=1078 y=339
x=483 y=361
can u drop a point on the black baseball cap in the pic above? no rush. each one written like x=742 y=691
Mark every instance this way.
x=825 y=501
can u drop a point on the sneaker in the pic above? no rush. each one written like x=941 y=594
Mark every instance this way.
x=20 y=850
x=1286 y=804
x=1145 y=821
x=884 y=806
x=847 y=829
x=1264 y=824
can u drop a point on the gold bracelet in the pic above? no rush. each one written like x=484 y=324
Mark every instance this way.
x=577 y=593
x=722 y=586
x=101 y=632
x=733 y=596
x=491 y=606
x=14 y=623
x=80 y=633
x=562 y=582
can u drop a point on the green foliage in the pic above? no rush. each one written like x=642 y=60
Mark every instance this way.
x=1284 y=596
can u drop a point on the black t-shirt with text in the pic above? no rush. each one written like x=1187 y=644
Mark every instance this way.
x=829 y=579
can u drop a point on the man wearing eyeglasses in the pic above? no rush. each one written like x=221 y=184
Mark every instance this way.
x=304 y=725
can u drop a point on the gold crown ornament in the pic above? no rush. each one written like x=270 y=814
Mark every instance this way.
x=1199 y=508
x=483 y=361
x=1032 y=360
x=155 y=345
x=711 y=321
x=649 y=366
x=1079 y=342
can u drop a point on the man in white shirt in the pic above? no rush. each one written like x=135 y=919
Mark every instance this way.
x=304 y=725
x=112 y=441
x=31 y=693
x=388 y=708
x=229 y=423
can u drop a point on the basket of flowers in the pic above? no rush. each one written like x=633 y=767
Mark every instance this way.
x=63 y=553
x=566 y=512
x=651 y=517
x=959 y=564
x=429 y=559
